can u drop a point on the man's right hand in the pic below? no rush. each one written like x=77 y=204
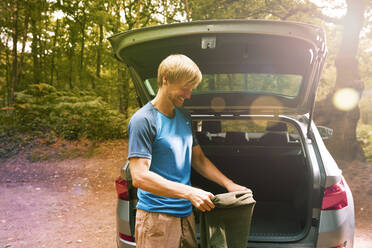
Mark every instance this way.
x=201 y=199
x=149 y=181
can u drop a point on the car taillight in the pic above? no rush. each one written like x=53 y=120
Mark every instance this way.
x=335 y=197
x=122 y=189
x=343 y=245
x=126 y=237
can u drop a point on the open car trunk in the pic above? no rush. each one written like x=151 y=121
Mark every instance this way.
x=250 y=68
x=273 y=166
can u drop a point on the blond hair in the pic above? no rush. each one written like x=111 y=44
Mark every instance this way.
x=178 y=67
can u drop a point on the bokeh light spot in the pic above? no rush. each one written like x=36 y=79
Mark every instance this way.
x=265 y=105
x=218 y=104
x=346 y=99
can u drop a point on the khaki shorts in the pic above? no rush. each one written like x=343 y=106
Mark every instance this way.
x=158 y=230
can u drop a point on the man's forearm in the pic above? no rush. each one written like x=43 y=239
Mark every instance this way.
x=208 y=170
x=151 y=182
x=156 y=184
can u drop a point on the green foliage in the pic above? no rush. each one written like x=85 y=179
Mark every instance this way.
x=70 y=50
x=70 y=115
x=40 y=90
x=364 y=134
x=11 y=144
x=225 y=9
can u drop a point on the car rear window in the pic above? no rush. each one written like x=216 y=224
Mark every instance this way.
x=277 y=84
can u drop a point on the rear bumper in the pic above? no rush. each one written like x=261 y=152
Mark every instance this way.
x=337 y=226
x=122 y=224
x=344 y=234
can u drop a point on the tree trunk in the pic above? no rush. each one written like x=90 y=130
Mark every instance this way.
x=125 y=86
x=82 y=26
x=126 y=96
x=138 y=22
x=71 y=59
x=72 y=40
x=7 y=71
x=15 y=55
x=120 y=90
x=188 y=16
x=344 y=144
x=58 y=55
x=52 y=66
x=165 y=6
x=99 y=52
x=35 y=52
x=43 y=50
x=124 y=90
x=24 y=39
x=119 y=64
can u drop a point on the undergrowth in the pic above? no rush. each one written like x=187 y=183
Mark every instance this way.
x=42 y=115
x=364 y=134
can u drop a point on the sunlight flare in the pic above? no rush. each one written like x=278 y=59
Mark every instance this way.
x=346 y=99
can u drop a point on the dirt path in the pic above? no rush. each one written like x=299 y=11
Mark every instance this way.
x=71 y=203
x=359 y=177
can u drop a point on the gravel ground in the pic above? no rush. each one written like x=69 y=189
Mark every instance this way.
x=71 y=203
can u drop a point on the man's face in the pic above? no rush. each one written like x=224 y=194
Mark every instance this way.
x=177 y=92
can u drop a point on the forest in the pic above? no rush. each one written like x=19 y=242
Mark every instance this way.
x=60 y=80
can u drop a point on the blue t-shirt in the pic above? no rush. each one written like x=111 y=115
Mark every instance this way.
x=168 y=142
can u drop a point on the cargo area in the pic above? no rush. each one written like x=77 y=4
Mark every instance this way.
x=273 y=165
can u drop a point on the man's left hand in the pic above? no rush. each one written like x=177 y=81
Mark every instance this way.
x=232 y=187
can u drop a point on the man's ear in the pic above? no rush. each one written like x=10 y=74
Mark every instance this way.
x=165 y=81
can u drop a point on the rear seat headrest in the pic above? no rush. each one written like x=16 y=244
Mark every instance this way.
x=211 y=126
x=238 y=138
x=275 y=126
x=276 y=134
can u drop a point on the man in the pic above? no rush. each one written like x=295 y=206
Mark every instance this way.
x=161 y=152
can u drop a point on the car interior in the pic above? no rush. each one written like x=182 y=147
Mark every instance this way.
x=270 y=163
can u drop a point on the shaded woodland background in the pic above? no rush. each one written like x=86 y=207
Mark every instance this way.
x=59 y=79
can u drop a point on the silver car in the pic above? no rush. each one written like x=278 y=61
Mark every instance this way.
x=252 y=115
